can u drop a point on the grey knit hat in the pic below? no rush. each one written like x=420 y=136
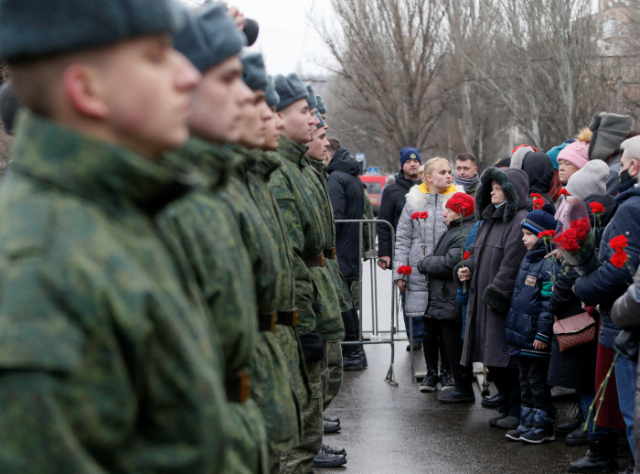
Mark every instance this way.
x=322 y=108
x=34 y=29
x=591 y=179
x=290 y=89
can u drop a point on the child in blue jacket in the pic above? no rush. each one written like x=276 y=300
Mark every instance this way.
x=530 y=329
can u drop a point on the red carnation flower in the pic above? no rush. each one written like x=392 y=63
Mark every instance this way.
x=619 y=258
x=415 y=215
x=619 y=243
x=405 y=270
x=582 y=228
x=466 y=255
x=536 y=195
x=564 y=192
x=547 y=233
x=538 y=203
x=596 y=207
x=568 y=240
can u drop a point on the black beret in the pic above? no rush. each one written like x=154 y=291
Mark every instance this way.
x=290 y=89
x=210 y=37
x=272 y=96
x=311 y=98
x=33 y=29
x=254 y=74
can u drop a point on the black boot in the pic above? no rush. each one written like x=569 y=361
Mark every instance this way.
x=601 y=456
x=462 y=392
x=351 y=360
x=568 y=426
x=363 y=356
x=577 y=437
x=630 y=469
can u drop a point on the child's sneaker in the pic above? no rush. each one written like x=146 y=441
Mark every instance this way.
x=430 y=382
x=526 y=423
x=542 y=429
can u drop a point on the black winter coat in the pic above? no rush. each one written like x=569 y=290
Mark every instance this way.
x=607 y=283
x=575 y=368
x=528 y=319
x=347 y=199
x=439 y=270
x=391 y=205
x=494 y=264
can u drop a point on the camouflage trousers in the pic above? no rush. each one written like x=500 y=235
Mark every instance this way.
x=331 y=372
x=300 y=459
x=246 y=439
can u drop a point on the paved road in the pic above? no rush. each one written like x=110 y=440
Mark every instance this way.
x=400 y=430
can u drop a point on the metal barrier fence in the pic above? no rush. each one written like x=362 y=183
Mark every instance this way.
x=371 y=257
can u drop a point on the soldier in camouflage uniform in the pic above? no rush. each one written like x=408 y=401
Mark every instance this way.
x=108 y=359
x=315 y=297
x=251 y=347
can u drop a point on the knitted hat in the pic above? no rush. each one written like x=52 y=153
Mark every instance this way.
x=518 y=154
x=576 y=153
x=211 y=37
x=33 y=29
x=409 y=153
x=321 y=107
x=9 y=105
x=290 y=89
x=540 y=220
x=553 y=154
x=272 y=96
x=254 y=74
x=311 y=98
x=591 y=179
x=461 y=203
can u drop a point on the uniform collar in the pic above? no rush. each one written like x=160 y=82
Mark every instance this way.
x=99 y=171
x=292 y=152
x=214 y=161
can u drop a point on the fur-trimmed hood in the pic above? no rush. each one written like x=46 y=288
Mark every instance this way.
x=515 y=185
x=418 y=198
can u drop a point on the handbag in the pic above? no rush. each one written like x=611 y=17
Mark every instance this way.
x=574 y=331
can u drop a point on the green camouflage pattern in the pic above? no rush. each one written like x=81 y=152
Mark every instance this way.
x=332 y=372
x=286 y=335
x=209 y=236
x=300 y=459
x=109 y=361
x=336 y=294
x=306 y=237
x=273 y=390
x=368 y=230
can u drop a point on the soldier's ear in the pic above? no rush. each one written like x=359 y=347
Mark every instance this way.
x=84 y=89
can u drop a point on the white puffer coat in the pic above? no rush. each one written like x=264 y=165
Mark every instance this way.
x=409 y=244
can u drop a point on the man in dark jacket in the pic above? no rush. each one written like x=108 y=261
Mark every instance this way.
x=607 y=283
x=347 y=199
x=391 y=205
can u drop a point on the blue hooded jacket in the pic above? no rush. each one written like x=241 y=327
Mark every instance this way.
x=528 y=318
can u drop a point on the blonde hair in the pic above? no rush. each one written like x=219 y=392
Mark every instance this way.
x=434 y=164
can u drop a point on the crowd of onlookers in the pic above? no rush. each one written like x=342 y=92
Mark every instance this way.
x=528 y=268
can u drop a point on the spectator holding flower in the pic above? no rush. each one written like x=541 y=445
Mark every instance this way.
x=604 y=285
x=444 y=316
x=421 y=225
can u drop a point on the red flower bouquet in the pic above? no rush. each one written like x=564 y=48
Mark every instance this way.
x=577 y=242
x=620 y=258
x=405 y=271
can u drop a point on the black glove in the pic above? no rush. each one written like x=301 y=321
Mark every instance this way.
x=312 y=347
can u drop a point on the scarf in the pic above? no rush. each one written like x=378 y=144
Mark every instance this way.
x=467 y=183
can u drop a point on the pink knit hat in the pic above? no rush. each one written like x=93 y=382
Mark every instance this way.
x=576 y=153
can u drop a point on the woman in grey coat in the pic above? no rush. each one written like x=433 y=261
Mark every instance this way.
x=416 y=238
x=492 y=269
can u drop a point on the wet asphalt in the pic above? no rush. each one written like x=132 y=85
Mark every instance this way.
x=400 y=430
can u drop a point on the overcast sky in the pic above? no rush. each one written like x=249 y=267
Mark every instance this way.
x=287 y=40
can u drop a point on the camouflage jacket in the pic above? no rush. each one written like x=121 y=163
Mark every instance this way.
x=332 y=324
x=109 y=361
x=272 y=380
x=296 y=195
x=210 y=236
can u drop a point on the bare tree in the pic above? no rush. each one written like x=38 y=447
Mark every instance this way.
x=389 y=54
